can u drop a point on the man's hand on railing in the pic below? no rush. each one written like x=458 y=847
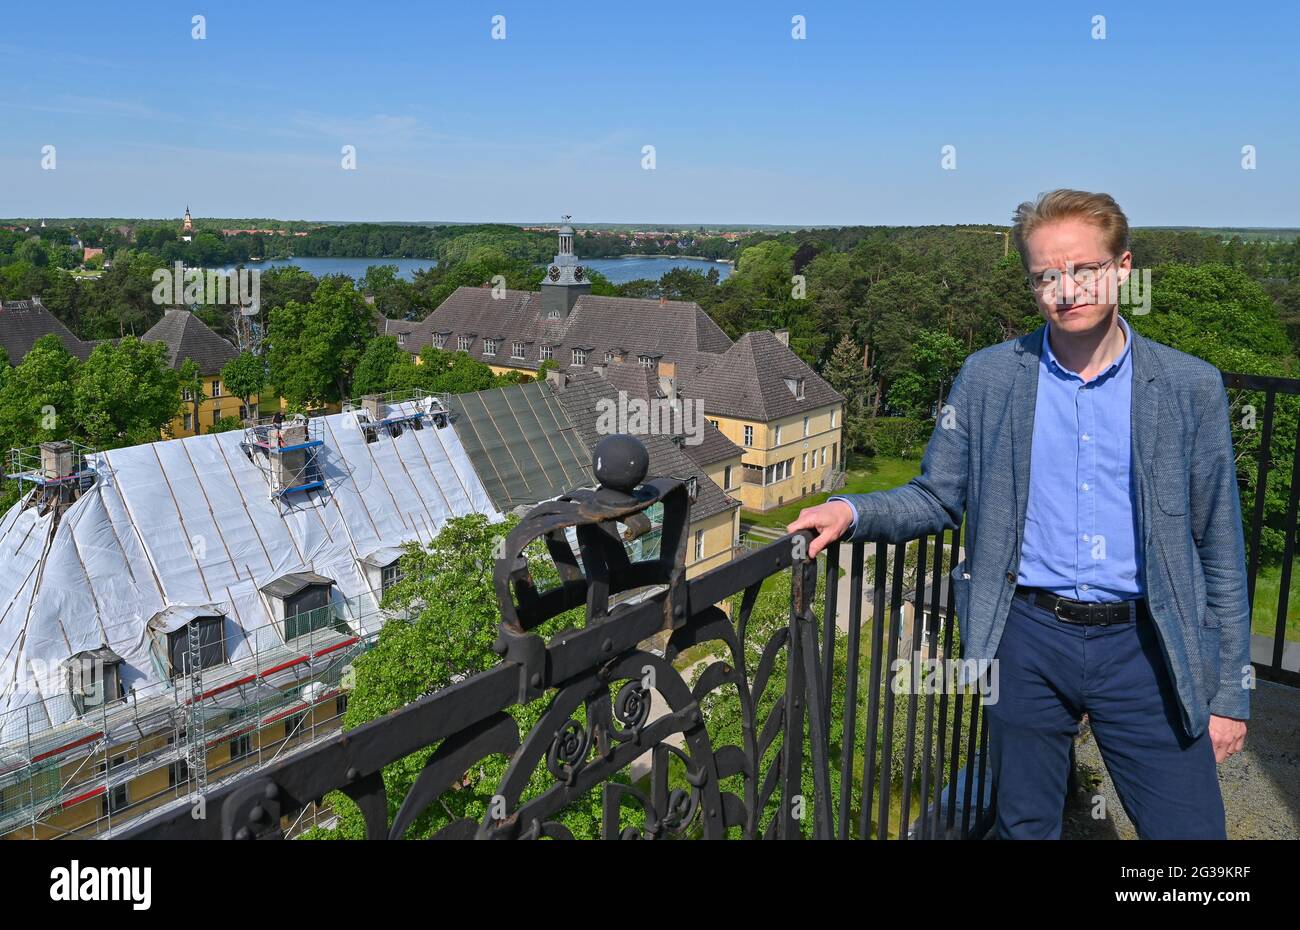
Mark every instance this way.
x=830 y=520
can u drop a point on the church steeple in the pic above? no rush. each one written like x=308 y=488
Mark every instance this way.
x=565 y=279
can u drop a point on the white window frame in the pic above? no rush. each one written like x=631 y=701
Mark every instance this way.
x=548 y=352
x=440 y=340
x=517 y=350
x=749 y=435
x=489 y=346
x=463 y=343
x=579 y=358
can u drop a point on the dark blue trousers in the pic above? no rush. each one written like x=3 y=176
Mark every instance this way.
x=1049 y=674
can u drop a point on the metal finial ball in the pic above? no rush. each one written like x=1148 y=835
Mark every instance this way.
x=620 y=462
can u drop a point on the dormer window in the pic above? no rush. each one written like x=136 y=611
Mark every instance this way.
x=646 y=361
x=553 y=314
x=463 y=343
x=439 y=340
x=94 y=679
x=579 y=357
x=171 y=628
x=490 y=346
x=517 y=350
x=796 y=387
x=302 y=602
x=547 y=353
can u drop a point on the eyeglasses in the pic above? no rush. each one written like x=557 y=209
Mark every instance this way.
x=1084 y=276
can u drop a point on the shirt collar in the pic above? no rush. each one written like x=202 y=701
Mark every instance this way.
x=1053 y=364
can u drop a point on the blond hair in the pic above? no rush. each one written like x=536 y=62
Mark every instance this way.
x=1099 y=209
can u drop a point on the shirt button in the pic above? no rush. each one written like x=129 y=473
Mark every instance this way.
x=1085 y=537
x=1084 y=485
x=1085 y=437
x=1083 y=587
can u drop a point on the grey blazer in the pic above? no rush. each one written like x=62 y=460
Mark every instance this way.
x=977 y=462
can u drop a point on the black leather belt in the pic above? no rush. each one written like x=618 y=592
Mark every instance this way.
x=1085 y=613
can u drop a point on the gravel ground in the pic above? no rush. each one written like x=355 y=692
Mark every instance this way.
x=1260 y=784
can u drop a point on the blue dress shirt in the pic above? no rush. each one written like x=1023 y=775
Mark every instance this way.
x=1080 y=538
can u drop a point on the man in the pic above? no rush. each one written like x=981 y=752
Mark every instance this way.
x=1105 y=565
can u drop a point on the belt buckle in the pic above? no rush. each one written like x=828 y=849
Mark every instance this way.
x=1056 y=609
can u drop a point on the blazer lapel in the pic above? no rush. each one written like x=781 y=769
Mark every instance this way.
x=1145 y=422
x=1024 y=397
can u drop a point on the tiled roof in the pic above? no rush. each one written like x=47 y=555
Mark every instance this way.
x=667 y=460
x=643 y=383
x=186 y=336
x=748 y=381
x=675 y=330
x=22 y=322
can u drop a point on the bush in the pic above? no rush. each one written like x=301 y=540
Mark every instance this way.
x=899 y=437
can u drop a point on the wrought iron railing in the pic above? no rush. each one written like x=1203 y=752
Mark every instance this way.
x=827 y=744
x=821 y=743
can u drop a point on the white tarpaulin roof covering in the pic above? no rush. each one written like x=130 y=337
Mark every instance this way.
x=175 y=527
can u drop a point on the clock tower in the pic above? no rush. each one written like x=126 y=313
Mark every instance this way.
x=565 y=279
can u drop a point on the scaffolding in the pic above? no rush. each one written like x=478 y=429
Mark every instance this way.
x=110 y=752
x=287 y=452
x=58 y=472
x=396 y=411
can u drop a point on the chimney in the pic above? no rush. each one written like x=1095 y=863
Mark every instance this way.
x=57 y=458
x=663 y=301
x=599 y=369
x=782 y=336
x=557 y=379
x=373 y=407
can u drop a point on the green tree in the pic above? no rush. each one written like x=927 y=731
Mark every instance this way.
x=126 y=393
x=372 y=374
x=314 y=348
x=244 y=376
x=189 y=382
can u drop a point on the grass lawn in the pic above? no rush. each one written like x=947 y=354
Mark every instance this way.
x=1268 y=584
x=864 y=474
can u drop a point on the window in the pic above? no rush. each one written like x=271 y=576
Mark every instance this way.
x=805 y=427
x=178 y=772
x=293 y=724
x=241 y=747
x=835 y=452
x=715 y=424
x=726 y=478
x=805 y=462
x=187 y=394
x=216 y=415
x=553 y=314
x=517 y=350
x=462 y=343
x=777 y=442
x=216 y=387
x=646 y=361
x=115 y=800
x=341 y=705
x=699 y=545
x=609 y=356
x=749 y=435
x=439 y=340
x=189 y=421
x=579 y=357
x=547 y=352
x=212 y=647
x=833 y=413
x=389 y=576
x=490 y=346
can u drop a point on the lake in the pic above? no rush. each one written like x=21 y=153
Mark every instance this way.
x=617 y=270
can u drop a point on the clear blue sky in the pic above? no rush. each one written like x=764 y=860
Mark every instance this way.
x=749 y=125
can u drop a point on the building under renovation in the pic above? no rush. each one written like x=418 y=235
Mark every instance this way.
x=172 y=613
